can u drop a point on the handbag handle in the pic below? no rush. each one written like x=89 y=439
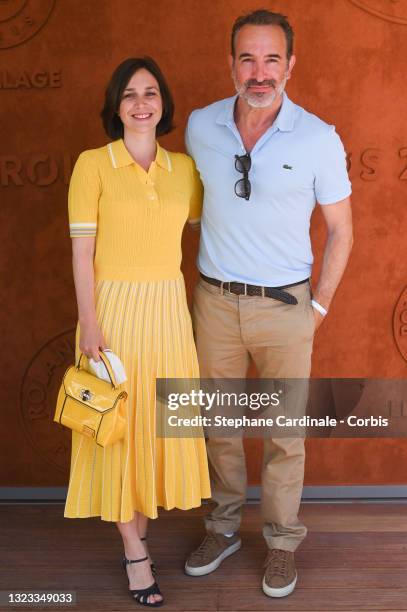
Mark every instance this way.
x=107 y=365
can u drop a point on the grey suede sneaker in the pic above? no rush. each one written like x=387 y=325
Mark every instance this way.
x=210 y=554
x=280 y=576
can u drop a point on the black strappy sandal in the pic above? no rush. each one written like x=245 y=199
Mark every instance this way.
x=152 y=565
x=141 y=595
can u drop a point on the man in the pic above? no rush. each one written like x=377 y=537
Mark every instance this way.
x=264 y=162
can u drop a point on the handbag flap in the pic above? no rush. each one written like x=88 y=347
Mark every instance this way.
x=86 y=388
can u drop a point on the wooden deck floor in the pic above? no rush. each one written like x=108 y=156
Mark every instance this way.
x=354 y=558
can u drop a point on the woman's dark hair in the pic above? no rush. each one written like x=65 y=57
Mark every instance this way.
x=121 y=76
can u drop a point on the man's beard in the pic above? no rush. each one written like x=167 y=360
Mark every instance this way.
x=259 y=100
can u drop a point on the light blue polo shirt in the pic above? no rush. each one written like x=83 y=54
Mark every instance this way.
x=299 y=160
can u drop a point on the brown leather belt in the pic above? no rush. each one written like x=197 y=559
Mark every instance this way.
x=276 y=293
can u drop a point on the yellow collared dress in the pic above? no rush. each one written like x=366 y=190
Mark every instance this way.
x=138 y=218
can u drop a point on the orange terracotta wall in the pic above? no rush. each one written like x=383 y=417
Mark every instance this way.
x=55 y=59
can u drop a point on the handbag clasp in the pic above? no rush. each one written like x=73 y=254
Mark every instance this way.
x=86 y=395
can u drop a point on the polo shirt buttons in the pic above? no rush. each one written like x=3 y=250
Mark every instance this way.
x=152 y=197
x=151 y=192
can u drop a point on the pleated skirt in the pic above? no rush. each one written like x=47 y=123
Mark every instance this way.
x=147 y=324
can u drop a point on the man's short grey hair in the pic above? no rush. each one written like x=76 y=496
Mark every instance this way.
x=264 y=17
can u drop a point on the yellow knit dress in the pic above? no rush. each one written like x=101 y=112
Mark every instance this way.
x=138 y=218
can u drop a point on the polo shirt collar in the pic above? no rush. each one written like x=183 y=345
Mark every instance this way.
x=286 y=117
x=284 y=121
x=120 y=157
x=163 y=159
x=225 y=117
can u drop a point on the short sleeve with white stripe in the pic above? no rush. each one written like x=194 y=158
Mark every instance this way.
x=83 y=197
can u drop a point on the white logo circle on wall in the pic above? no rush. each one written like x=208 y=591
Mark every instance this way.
x=20 y=20
x=39 y=390
x=390 y=10
x=400 y=324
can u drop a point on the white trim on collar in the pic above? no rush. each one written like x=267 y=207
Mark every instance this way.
x=112 y=157
x=169 y=164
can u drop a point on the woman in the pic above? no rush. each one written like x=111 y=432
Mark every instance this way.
x=128 y=203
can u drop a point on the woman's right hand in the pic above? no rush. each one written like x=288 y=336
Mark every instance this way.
x=91 y=340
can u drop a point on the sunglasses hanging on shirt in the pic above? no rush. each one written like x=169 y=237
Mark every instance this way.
x=243 y=187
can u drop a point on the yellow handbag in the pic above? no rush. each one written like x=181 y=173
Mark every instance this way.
x=91 y=406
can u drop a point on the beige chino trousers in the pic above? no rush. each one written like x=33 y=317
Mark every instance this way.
x=229 y=329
